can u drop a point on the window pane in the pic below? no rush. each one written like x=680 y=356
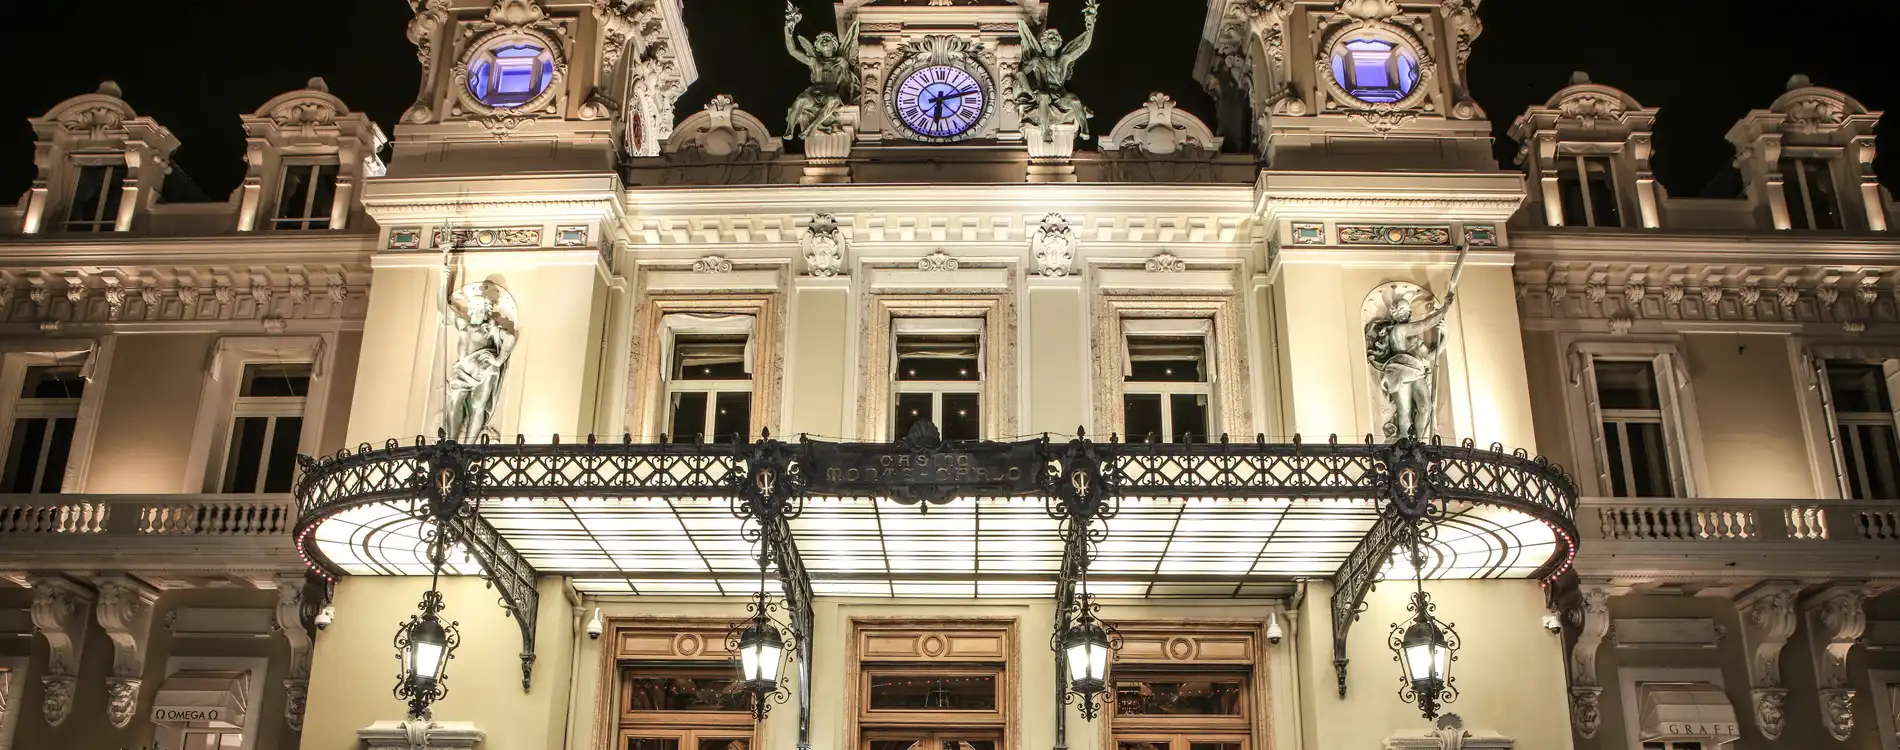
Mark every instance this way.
x=1649 y=460
x=1142 y=745
x=95 y=204
x=1602 y=192
x=969 y=745
x=903 y=692
x=1878 y=456
x=282 y=463
x=53 y=382
x=323 y=196
x=1141 y=417
x=685 y=693
x=896 y=745
x=295 y=194
x=53 y=476
x=705 y=357
x=724 y=743
x=1791 y=191
x=1190 y=417
x=652 y=743
x=689 y=417
x=911 y=409
x=1626 y=385
x=247 y=454
x=1199 y=697
x=947 y=357
x=1613 y=449
x=1166 y=359
x=1205 y=745
x=275 y=381
x=962 y=416
x=1821 y=194
x=23 y=454
x=1857 y=387
x=1570 y=193
x=732 y=416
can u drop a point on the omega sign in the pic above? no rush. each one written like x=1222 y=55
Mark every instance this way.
x=160 y=713
x=922 y=475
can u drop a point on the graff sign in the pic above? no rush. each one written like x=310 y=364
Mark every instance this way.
x=910 y=475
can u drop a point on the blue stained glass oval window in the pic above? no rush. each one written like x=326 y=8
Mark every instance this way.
x=509 y=75
x=1375 y=70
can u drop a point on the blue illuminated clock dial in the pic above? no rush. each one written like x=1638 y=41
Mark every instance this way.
x=940 y=101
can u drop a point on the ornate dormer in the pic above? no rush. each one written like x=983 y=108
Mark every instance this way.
x=601 y=76
x=100 y=165
x=1587 y=150
x=1808 y=161
x=306 y=156
x=1312 y=72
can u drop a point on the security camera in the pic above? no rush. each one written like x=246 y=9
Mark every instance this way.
x=1274 y=633
x=1553 y=624
x=594 y=625
x=325 y=616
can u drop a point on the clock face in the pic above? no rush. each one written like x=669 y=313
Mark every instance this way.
x=941 y=102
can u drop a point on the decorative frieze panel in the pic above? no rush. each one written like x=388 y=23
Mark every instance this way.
x=971 y=227
x=1370 y=234
x=1632 y=292
x=1481 y=235
x=55 y=297
x=487 y=238
x=934 y=645
x=1185 y=646
x=1309 y=234
x=405 y=238
x=1667 y=633
x=693 y=641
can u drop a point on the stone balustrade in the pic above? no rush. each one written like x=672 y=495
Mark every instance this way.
x=1763 y=535
x=148 y=532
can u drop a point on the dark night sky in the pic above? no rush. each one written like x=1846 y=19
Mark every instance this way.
x=195 y=65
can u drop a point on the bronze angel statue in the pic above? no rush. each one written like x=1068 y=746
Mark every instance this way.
x=834 y=76
x=1042 y=83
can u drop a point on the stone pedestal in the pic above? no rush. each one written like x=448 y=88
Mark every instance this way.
x=421 y=735
x=827 y=155
x=1051 y=160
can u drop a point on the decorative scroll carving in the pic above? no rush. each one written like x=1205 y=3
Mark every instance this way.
x=290 y=622
x=1054 y=243
x=59 y=614
x=1835 y=620
x=1165 y=262
x=712 y=264
x=1353 y=234
x=124 y=610
x=460 y=239
x=1768 y=619
x=824 y=246
x=1592 y=618
x=937 y=262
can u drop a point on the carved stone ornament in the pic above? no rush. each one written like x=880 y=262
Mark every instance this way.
x=824 y=246
x=1592 y=617
x=712 y=264
x=937 y=262
x=124 y=610
x=1160 y=128
x=1591 y=107
x=1380 y=116
x=1836 y=619
x=1054 y=244
x=423 y=29
x=421 y=734
x=1369 y=10
x=59 y=615
x=289 y=621
x=481 y=320
x=1165 y=263
x=122 y=700
x=1405 y=333
x=514 y=22
x=1768 y=619
x=1586 y=710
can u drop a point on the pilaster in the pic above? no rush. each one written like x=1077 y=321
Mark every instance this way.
x=124 y=610
x=1768 y=619
x=59 y=614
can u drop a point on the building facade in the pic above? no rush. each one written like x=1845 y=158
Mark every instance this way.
x=599 y=375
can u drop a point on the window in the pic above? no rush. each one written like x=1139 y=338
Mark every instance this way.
x=308 y=195
x=95 y=206
x=1587 y=187
x=1808 y=186
x=1168 y=384
x=44 y=419
x=510 y=74
x=1863 y=415
x=709 y=388
x=1635 y=443
x=683 y=708
x=939 y=376
x=212 y=739
x=1375 y=70
x=932 y=686
x=266 y=425
x=1187 y=711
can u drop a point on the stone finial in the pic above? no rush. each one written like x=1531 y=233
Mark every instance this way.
x=1579 y=78
x=111 y=88
x=316 y=83
x=1799 y=81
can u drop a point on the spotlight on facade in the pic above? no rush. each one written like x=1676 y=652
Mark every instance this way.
x=1426 y=648
x=425 y=646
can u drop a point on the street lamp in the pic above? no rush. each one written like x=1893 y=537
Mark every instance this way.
x=761 y=646
x=1085 y=643
x=1425 y=648
x=425 y=646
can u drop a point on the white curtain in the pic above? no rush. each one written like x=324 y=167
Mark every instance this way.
x=941 y=327
x=728 y=324
x=1196 y=327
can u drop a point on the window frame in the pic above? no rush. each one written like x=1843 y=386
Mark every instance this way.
x=876 y=405
x=1215 y=649
x=933 y=646
x=172 y=735
x=938 y=389
x=1836 y=422
x=50 y=409
x=1800 y=183
x=94 y=358
x=314 y=166
x=273 y=408
x=12 y=693
x=114 y=164
x=694 y=646
x=218 y=399
x=1205 y=388
x=1630 y=678
x=1681 y=433
x=1231 y=400
x=674 y=326
x=1574 y=163
x=643 y=403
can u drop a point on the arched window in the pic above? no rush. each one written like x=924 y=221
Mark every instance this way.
x=508 y=74
x=1375 y=70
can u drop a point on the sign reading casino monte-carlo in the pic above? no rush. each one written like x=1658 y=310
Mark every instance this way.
x=923 y=469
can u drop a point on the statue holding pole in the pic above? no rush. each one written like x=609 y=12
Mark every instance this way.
x=834 y=77
x=1404 y=354
x=1042 y=82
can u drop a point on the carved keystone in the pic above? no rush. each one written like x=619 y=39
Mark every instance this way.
x=125 y=611
x=59 y=614
x=1835 y=619
x=1768 y=619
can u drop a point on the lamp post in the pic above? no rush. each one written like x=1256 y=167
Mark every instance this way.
x=1425 y=648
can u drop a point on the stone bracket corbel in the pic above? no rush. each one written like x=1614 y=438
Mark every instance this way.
x=1768 y=619
x=289 y=621
x=125 y=612
x=59 y=614
x=1835 y=619
x=1592 y=619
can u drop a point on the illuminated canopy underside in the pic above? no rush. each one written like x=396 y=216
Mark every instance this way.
x=968 y=547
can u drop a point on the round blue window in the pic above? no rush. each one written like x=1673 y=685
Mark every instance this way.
x=1376 y=71
x=510 y=75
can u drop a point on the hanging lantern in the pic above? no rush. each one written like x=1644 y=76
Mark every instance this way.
x=761 y=651
x=1085 y=646
x=425 y=646
x=1425 y=648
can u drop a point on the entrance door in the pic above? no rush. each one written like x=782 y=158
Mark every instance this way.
x=931 y=740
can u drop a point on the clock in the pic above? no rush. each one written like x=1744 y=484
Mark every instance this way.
x=941 y=102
